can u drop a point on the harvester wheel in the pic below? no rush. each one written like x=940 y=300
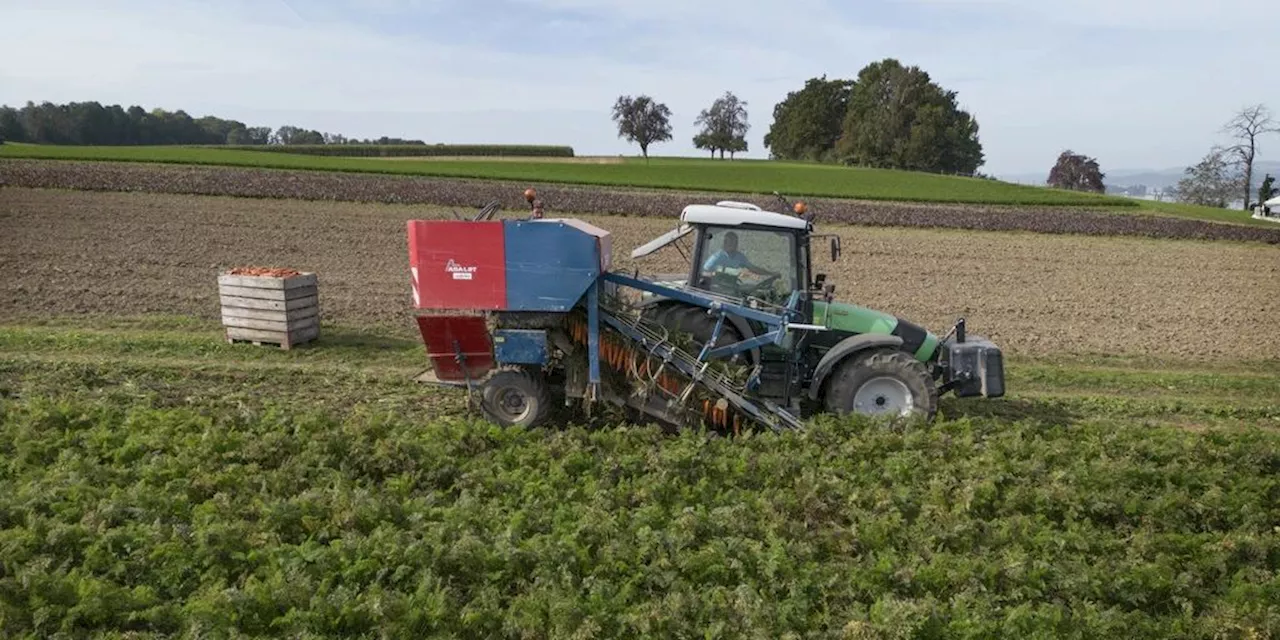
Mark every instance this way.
x=882 y=383
x=516 y=398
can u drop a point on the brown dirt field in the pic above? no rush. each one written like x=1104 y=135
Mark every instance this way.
x=67 y=252
x=579 y=200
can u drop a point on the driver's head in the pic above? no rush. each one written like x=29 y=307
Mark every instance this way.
x=731 y=242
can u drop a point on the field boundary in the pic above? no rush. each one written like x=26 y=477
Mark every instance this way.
x=535 y=151
x=566 y=199
x=662 y=176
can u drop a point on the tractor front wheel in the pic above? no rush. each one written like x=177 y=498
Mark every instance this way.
x=516 y=398
x=882 y=383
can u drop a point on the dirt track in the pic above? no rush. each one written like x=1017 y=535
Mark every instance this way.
x=66 y=252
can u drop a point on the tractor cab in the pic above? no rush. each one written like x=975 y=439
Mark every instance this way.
x=743 y=252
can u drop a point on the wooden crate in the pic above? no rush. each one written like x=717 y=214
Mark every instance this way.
x=266 y=310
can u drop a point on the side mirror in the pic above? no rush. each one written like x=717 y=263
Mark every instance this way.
x=835 y=248
x=819 y=280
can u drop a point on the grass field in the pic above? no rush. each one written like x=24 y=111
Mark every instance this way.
x=155 y=480
x=740 y=176
x=1211 y=214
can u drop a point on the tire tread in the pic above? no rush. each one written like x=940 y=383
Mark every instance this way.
x=840 y=389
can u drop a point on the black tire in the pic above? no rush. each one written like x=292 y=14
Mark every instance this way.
x=516 y=398
x=880 y=383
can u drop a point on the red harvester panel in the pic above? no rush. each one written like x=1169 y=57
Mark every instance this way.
x=445 y=336
x=458 y=264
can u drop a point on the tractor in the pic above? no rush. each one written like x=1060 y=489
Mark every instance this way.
x=748 y=334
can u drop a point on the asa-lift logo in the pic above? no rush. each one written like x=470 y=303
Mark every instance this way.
x=459 y=272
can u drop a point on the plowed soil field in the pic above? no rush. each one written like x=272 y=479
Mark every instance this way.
x=568 y=199
x=67 y=253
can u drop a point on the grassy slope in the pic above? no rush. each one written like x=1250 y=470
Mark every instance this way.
x=1210 y=214
x=154 y=478
x=798 y=179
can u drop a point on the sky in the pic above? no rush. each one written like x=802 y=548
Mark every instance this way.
x=1135 y=83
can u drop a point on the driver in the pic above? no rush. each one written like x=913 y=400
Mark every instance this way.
x=729 y=257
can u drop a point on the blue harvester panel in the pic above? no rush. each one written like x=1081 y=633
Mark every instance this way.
x=520 y=346
x=550 y=264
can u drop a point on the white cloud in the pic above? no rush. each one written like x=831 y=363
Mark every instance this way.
x=1028 y=71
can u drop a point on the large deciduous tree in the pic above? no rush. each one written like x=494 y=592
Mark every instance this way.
x=724 y=126
x=1077 y=172
x=1212 y=182
x=806 y=125
x=642 y=120
x=899 y=118
x=1246 y=127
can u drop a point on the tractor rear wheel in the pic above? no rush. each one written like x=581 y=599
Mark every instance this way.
x=882 y=383
x=516 y=398
x=698 y=325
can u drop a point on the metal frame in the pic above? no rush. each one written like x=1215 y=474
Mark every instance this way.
x=695 y=367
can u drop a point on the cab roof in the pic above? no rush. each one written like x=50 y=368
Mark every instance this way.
x=735 y=214
x=724 y=213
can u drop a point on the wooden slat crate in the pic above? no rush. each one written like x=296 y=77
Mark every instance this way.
x=267 y=310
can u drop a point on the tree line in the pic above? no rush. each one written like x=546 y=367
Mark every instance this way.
x=890 y=116
x=90 y=123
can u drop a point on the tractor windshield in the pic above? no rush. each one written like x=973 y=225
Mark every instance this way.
x=748 y=262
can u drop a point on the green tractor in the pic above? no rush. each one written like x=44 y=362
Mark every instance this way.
x=863 y=361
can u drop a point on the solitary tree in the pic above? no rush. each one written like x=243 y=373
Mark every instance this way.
x=642 y=121
x=1212 y=182
x=724 y=126
x=1077 y=172
x=1247 y=126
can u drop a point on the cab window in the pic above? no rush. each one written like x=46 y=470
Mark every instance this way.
x=748 y=262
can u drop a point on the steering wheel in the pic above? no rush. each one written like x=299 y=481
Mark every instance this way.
x=732 y=279
x=766 y=282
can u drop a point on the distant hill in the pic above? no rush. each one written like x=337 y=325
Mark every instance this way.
x=1153 y=179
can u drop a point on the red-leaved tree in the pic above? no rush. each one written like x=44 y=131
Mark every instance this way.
x=1077 y=172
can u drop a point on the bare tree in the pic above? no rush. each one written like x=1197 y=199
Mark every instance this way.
x=1210 y=182
x=1247 y=126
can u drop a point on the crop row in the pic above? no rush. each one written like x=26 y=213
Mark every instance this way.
x=182 y=522
x=334 y=186
x=413 y=150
